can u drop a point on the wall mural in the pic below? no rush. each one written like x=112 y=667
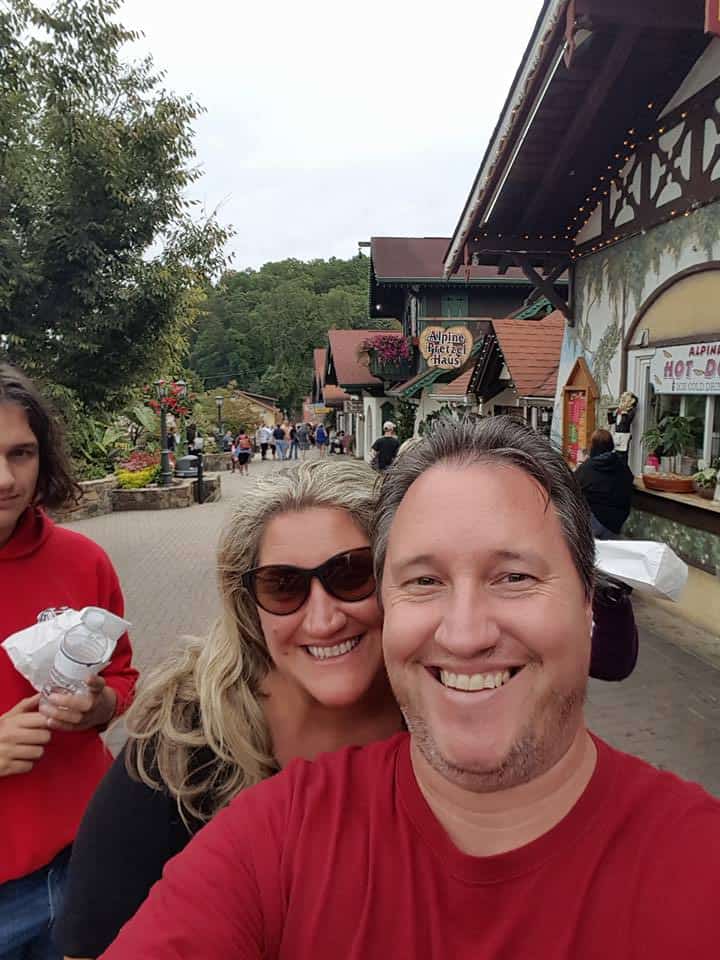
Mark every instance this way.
x=613 y=284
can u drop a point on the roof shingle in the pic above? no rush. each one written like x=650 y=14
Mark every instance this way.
x=532 y=352
x=421 y=258
x=344 y=347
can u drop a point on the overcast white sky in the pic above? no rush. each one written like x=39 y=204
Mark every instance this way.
x=331 y=121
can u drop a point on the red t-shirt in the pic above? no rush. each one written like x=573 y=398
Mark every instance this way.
x=342 y=858
x=43 y=565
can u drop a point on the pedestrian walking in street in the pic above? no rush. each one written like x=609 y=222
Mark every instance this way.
x=281 y=442
x=302 y=434
x=243 y=447
x=51 y=754
x=497 y=825
x=321 y=439
x=607 y=484
x=292 y=668
x=293 y=453
x=265 y=435
x=385 y=449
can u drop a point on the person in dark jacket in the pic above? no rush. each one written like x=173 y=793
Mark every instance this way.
x=607 y=484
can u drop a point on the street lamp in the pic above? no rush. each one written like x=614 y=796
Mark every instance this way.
x=219 y=405
x=164 y=390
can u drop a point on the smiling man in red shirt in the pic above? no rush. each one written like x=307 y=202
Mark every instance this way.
x=499 y=827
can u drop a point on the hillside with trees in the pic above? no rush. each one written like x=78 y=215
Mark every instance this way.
x=259 y=327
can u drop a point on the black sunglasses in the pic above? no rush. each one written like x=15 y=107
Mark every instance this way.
x=282 y=589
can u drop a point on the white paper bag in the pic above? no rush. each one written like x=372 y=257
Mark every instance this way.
x=649 y=567
x=33 y=649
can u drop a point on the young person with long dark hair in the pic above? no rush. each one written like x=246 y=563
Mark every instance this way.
x=51 y=755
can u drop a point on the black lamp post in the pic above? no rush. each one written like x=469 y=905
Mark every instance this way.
x=219 y=405
x=163 y=390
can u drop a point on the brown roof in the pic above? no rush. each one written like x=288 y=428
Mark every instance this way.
x=334 y=396
x=344 y=347
x=532 y=352
x=455 y=388
x=421 y=258
x=319 y=358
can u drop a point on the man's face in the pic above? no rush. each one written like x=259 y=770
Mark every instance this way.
x=480 y=592
x=19 y=467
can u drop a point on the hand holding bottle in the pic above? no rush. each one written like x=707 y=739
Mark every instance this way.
x=95 y=707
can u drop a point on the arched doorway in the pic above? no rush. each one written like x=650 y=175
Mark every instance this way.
x=677 y=325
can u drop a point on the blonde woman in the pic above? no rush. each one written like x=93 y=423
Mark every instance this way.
x=293 y=668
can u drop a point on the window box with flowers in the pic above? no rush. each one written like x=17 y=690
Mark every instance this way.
x=390 y=358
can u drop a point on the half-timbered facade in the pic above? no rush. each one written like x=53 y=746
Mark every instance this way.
x=606 y=163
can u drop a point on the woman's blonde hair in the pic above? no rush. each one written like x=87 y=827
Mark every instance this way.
x=197 y=726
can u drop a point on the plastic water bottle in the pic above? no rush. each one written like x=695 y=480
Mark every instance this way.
x=82 y=651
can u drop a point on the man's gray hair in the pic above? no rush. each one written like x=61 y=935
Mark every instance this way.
x=492 y=440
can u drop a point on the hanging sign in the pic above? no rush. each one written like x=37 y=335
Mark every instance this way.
x=446 y=347
x=689 y=368
x=712 y=16
x=353 y=406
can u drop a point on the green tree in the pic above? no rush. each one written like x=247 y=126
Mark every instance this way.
x=102 y=266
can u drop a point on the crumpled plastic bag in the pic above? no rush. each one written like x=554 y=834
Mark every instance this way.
x=33 y=649
x=647 y=566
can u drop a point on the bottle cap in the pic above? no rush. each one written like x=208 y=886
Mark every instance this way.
x=94 y=621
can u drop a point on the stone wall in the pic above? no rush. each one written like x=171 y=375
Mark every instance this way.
x=212 y=485
x=154 y=498
x=183 y=493
x=96 y=500
x=216 y=461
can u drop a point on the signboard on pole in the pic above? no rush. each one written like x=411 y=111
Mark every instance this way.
x=688 y=368
x=446 y=347
x=319 y=409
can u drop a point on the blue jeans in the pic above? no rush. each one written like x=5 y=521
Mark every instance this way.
x=28 y=907
x=281 y=447
x=601 y=532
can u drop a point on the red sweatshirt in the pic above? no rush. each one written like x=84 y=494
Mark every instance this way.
x=343 y=858
x=43 y=565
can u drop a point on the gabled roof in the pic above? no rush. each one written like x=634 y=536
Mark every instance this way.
x=421 y=258
x=344 y=347
x=455 y=388
x=334 y=396
x=531 y=349
x=561 y=128
x=269 y=403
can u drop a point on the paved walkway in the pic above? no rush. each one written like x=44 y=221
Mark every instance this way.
x=668 y=712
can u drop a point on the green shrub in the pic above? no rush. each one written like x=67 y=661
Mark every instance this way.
x=134 y=479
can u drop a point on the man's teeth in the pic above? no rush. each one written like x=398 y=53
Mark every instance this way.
x=474 y=681
x=324 y=653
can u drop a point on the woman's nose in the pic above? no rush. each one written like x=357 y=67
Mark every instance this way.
x=323 y=614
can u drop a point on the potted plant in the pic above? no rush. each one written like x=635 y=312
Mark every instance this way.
x=671 y=438
x=705 y=482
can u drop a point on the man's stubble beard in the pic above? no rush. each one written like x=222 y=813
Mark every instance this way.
x=538 y=748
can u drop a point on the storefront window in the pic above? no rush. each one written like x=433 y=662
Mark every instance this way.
x=715 y=443
x=695 y=406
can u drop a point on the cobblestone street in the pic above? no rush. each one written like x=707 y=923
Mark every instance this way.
x=667 y=712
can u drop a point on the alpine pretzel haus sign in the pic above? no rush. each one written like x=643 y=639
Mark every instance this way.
x=446 y=347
